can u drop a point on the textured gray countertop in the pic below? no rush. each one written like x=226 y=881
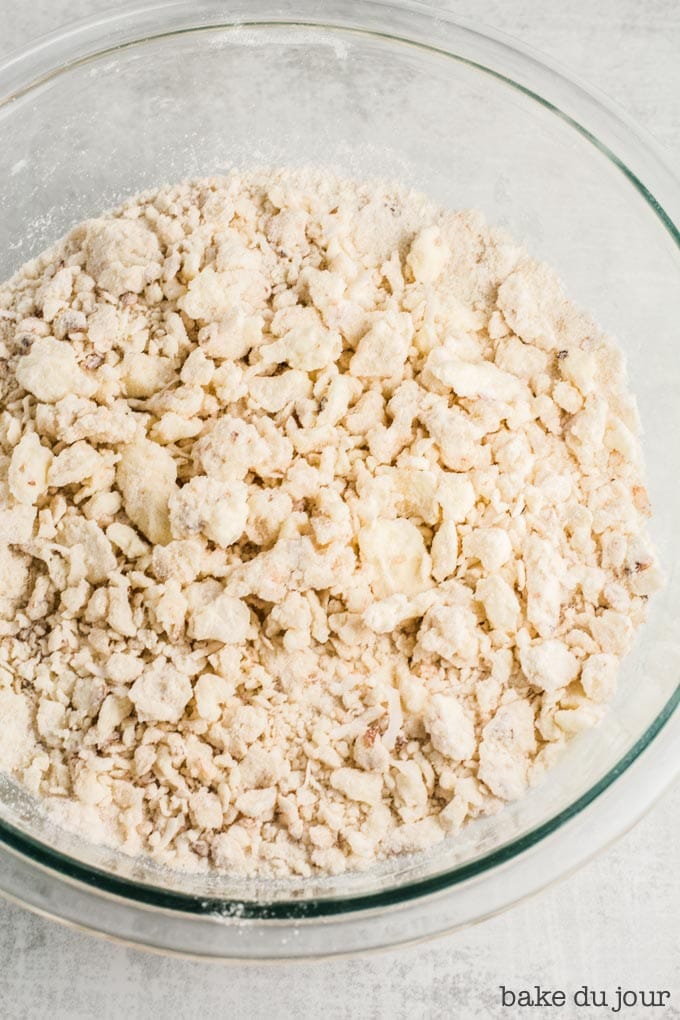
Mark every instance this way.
x=613 y=923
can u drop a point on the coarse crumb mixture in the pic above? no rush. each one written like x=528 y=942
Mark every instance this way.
x=321 y=523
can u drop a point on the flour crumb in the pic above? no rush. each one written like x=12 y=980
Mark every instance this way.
x=322 y=523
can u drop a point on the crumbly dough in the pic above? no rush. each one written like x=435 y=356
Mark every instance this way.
x=321 y=523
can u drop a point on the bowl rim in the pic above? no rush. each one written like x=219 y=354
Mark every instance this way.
x=593 y=116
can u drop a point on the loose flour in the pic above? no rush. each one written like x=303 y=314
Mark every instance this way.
x=321 y=523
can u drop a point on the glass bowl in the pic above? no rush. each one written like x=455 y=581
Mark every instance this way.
x=131 y=100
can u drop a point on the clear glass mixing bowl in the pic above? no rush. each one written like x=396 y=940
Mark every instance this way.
x=113 y=106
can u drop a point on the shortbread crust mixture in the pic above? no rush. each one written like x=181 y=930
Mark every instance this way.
x=321 y=523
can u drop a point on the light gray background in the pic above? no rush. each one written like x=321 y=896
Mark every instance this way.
x=613 y=923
